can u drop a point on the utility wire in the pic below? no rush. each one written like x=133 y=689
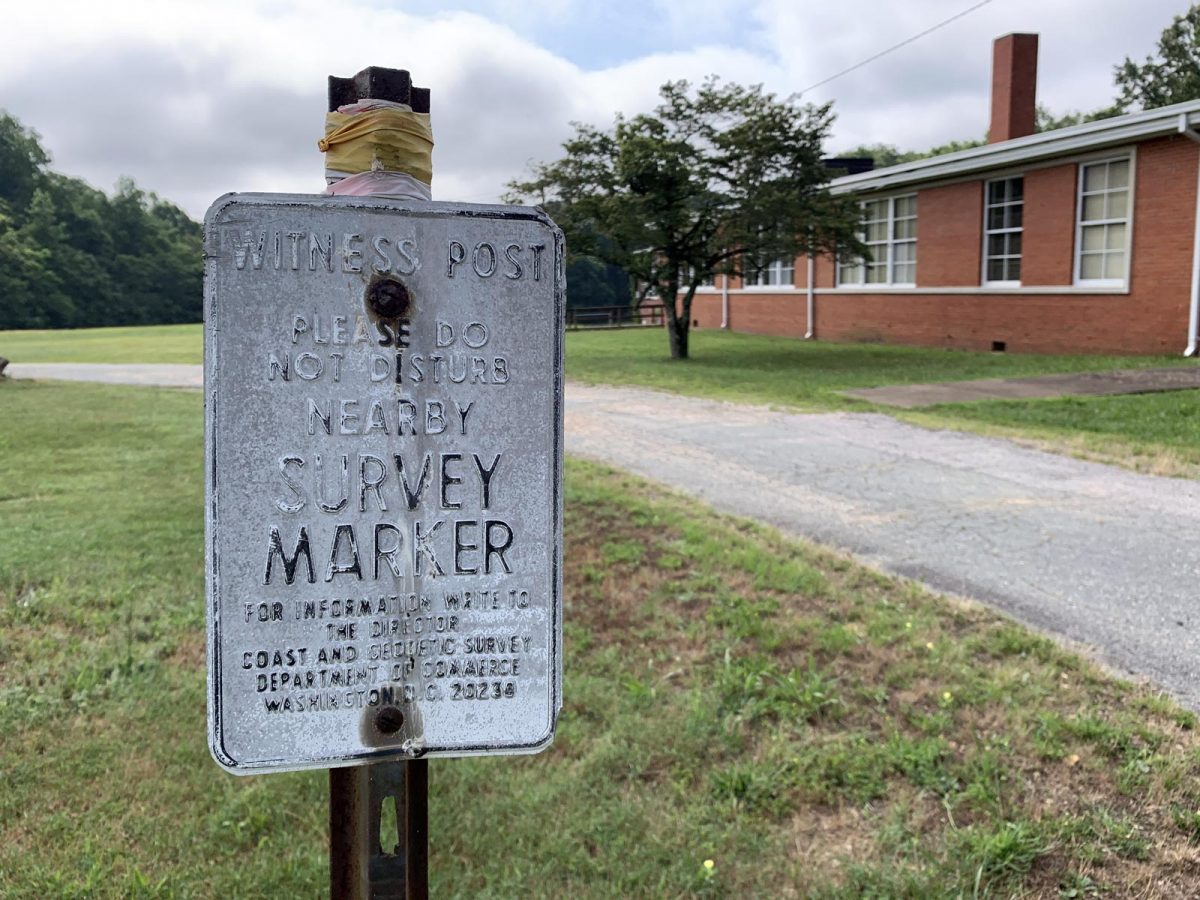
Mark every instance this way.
x=903 y=43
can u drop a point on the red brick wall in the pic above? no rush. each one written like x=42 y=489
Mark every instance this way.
x=1048 y=244
x=1151 y=318
x=950 y=235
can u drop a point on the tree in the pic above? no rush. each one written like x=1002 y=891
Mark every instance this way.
x=1172 y=76
x=889 y=155
x=724 y=179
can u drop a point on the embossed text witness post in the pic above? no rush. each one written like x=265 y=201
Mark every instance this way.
x=383 y=384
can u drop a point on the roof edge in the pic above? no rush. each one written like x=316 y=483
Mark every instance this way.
x=1046 y=144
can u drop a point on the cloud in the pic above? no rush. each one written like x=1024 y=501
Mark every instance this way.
x=194 y=100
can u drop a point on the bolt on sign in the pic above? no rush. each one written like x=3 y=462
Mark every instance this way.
x=383 y=385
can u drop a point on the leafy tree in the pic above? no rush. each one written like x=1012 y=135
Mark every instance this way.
x=1170 y=76
x=71 y=256
x=22 y=160
x=889 y=155
x=724 y=179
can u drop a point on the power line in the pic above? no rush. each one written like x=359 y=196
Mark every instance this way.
x=903 y=43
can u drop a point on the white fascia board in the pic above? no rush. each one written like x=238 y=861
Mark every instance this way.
x=1033 y=148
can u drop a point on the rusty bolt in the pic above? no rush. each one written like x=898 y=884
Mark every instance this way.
x=389 y=720
x=388 y=298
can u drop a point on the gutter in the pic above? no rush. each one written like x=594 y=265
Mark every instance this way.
x=1087 y=136
x=808 y=335
x=1185 y=128
x=725 y=301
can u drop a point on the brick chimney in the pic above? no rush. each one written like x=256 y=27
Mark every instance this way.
x=1014 y=87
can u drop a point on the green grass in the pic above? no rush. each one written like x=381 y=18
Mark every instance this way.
x=145 y=344
x=756 y=369
x=1157 y=432
x=811 y=727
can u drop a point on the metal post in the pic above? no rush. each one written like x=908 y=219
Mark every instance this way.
x=362 y=865
x=365 y=864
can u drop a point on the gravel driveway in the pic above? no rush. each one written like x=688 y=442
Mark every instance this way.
x=1098 y=555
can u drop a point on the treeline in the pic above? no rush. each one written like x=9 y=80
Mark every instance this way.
x=73 y=257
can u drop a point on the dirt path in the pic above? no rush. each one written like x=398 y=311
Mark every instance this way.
x=1099 y=555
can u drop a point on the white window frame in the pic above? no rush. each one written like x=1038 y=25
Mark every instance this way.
x=775 y=269
x=1131 y=159
x=890 y=242
x=987 y=232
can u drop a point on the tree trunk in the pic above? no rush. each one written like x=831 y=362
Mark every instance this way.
x=677 y=332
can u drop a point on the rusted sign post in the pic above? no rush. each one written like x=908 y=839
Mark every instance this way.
x=383 y=383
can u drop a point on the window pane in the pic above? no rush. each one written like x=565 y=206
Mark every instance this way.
x=1094 y=177
x=1114 y=265
x=877 y=232
x=1118 y=174
x=906 y=229
x=876 y=274
x=1093 y=238
x=995 y=217
x=996 y=192
x=1091 y=265
x=1118 y=202
x=1014 y=269
x=1016 y=188
x=1015 y=215
x=906 y=206
x=876 y=209
x=1014 y=243
x=1114 y=237
x=1093 y=207
x=995 y=270
x=995 y=244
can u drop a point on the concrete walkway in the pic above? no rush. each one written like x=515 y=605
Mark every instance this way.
x=1082 y=384
x=1098 y=555
x=151 y=375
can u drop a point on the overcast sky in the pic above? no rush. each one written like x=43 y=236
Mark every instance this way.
x=195 y=99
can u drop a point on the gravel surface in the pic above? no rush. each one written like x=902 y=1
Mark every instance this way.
x=149 y=374
x=1098 y=555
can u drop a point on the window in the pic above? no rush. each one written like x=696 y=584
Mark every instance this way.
x=1002 y=224
x=890 y=233
x=780 y=273
x=1103 y=223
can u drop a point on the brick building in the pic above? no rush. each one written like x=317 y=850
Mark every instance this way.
x=1079 y=240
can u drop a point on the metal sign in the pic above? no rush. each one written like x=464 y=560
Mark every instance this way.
x=383 y=384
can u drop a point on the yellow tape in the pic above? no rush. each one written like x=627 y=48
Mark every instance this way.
x=401 y=141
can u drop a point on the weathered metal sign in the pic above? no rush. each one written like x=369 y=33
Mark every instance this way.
x=383 y=384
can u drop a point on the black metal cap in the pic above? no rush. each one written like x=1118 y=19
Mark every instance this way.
x=378 y=83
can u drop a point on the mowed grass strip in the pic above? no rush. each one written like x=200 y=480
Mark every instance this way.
x=1154 y=433
x=136 y=344
x=811 y=728
x=750 y=368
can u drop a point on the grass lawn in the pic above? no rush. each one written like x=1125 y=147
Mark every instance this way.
x=145 y=344
x=1155 y=433
x=757 y=369
x=812 y=728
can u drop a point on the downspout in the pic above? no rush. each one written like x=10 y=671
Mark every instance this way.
x=808 y=335
x=1185 y=128
x=725 y=301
